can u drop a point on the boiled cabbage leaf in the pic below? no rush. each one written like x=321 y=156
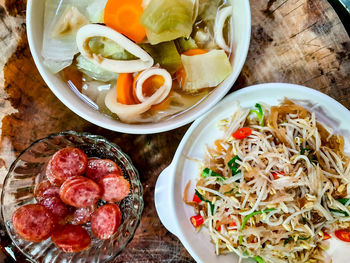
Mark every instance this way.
x=165 y=54
x=95 y=11
x=206 y=70
x=107 y=48
x=184 y=44
x=94 y=71
x=167 y=20
x=58 y=51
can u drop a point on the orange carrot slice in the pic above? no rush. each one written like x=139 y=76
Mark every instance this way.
x=194 y=52
x=124 y=17
x=124 y=89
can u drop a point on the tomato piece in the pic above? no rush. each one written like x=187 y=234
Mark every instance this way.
x=326 y=236
x=343 y=235
x=196 y=199
x=242 y=133
x=197 y=220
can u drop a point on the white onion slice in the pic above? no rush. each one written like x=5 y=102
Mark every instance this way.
x=131 y=113
x=145 y=61
x=149 y=73
x=223 y=14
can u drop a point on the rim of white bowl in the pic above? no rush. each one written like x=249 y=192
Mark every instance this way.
x=167 y=125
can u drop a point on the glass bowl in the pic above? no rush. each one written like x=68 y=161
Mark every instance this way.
x=28 y=169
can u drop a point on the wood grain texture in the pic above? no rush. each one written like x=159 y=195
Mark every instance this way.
x=296 y=41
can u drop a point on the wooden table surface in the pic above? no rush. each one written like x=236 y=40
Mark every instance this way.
x=296 y=41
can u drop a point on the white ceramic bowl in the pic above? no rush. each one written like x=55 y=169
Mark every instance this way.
x=175 y=214
x=242 y=27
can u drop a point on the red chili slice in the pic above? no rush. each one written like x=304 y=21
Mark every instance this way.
x=326 y=236
x=64 y=164
x=71 y=238
x=242 y=133
x=343 y=235
x=197 y=220
x=196 y=199
x=80 y=191
x=33 y=222
x=276 y=175
x=105 y=221
x=98 y=168
x=114 y=188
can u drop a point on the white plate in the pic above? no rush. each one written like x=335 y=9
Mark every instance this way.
x=175 y=214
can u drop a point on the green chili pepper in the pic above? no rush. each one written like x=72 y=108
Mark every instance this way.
x=207 y=172
x=259 y=112
x=233 y=165
x=201 y=197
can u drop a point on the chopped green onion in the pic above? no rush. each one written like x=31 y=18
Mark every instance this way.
x=303 y=238
x=207 y=172
x=303 y=150
x=201 y=197
x=259 y=112
x=287 y=240
x=247 y=217
x=259 y=259
x=229 y=192
x=343 y=201
x=338 y=211
x=233 y=165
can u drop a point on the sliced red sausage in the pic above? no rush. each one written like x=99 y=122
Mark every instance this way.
x=105 y=221
x=57 y=208
x=33 y=222
x=114 y=188
x=82 y=215
x=98 y=168
x=80 y=192
x=71 y=238
x=46 y=189
x=66 y=163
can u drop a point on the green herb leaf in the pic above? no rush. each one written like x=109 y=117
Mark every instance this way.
x=201 y=197
x=233 y=165
x=259 y=112
x=207 y=172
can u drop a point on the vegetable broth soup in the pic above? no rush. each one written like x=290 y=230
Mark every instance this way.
x=139 y=61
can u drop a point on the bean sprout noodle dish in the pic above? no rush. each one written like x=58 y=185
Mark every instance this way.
x=275 y=187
